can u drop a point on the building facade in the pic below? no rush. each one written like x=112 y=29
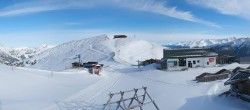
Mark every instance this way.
x=181 y=59
x=226 y=56
x=244 y=60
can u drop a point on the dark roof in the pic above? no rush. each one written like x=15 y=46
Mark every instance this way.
x=120 y=36
x=92 y=63
x=76 y=63
x=238 y=69
x=229 y=52
x=248 y=67
x=223 y=71
x=239 y=76
x=183 y=53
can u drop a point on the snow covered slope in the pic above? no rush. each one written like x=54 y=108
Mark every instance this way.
x=28 y=52
x=31 y=89
x=5 y=56
x=13 y=55
x=100 y=48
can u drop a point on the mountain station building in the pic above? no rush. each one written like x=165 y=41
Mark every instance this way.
x=181 y=59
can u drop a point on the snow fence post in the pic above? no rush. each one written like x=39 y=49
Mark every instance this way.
x=145 y=89
x=51 y=74
x=108 y=103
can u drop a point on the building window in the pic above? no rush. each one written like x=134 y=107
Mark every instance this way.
x=175 y=63
x=194 y=62
x=182 y=62
x=172 y=63
x=198 y=61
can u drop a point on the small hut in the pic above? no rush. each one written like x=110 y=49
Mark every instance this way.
x=119 y=36
x=97 y=69
x=76 y=65
x=150 y=61
x=220 y=75
x=244 y=60
x=240 y=85
x=93 y=67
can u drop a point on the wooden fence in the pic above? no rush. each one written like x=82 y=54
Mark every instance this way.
x=137 y=100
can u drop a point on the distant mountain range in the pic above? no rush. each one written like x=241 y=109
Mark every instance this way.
x=240 y=45
x=108 y=50
x=10 y=55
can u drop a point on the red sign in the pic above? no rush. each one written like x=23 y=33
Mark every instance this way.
x=211 y=59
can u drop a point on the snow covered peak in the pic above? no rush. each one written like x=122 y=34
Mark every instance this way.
x=241 y=46
x=45 y=46
x=207 y=42
x=28 y=52
x=99 y=48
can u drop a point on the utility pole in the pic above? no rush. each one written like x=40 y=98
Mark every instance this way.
x=139 y=65
x=79 y=57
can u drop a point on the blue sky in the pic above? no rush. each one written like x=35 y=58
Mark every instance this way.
x=37 y=22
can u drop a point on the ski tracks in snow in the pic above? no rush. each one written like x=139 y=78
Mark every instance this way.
x=90 y=94
x=91 y=48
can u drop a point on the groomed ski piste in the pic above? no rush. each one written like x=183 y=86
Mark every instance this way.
x=48 y=85
x=32 y=89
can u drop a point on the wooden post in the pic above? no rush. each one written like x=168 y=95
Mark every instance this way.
x=108 y=103
x=145 y=88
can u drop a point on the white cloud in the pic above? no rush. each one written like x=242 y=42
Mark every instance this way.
x=41 y=6
x=160 y=8
x=153 y=6
x=229 y=7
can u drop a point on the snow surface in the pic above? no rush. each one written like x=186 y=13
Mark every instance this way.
x=31 y=89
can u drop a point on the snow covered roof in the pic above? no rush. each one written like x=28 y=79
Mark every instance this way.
x=195 y=52
x=239 y=76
